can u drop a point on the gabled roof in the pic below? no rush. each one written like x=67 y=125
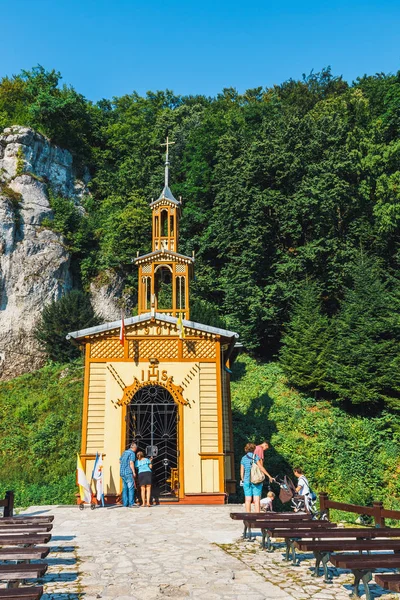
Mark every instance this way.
x=158 y=317
x=166 y=194
x=165 y=254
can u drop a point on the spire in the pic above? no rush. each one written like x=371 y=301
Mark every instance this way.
x=167 y=144
x=166 y=193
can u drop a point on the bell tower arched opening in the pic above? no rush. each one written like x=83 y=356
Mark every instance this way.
x=163 y=287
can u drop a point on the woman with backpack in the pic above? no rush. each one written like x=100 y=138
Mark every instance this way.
x=252 y=475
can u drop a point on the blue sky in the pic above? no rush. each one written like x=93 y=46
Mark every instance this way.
x=109 y=48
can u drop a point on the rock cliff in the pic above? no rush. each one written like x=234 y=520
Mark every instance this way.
x=34 y=261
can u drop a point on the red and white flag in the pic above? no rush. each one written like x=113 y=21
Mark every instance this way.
x=122 y=332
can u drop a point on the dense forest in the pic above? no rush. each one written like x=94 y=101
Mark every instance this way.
x=291 y=203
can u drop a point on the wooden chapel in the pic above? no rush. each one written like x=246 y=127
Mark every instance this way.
x=167 y=386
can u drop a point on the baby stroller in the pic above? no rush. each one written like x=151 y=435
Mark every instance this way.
x=299 y=503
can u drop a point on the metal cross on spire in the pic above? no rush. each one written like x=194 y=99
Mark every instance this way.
x=167 y=144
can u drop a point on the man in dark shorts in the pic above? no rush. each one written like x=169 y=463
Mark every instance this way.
x=128 y=473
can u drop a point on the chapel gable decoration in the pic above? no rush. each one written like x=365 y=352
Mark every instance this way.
x=166 y=383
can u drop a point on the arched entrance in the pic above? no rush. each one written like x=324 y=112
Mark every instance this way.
x=152 y=422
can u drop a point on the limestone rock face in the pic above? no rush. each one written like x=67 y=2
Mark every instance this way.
x=34 y=261
x=108 y=297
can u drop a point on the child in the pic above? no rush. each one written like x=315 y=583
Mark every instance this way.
x=266 y=503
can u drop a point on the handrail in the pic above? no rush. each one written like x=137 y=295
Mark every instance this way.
x=376 y=510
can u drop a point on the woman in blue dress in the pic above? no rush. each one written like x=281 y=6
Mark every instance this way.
x=252 y=491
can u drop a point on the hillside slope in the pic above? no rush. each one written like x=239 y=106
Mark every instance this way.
x=40 y=427
x=354 y=458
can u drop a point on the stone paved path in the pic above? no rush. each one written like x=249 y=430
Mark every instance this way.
x=170 y=552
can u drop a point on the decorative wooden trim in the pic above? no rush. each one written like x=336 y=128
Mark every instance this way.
x=146 y=360
x=206 y=498
x=85 y=408
x=181 y=446
x=90 y=456
x=206 y=455
x=228 y=389
x=220 y=417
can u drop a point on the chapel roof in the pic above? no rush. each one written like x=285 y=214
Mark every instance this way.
x=166 y=194
x=168 y=255
x=160 y=317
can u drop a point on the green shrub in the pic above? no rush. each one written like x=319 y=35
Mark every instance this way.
x=70 y=313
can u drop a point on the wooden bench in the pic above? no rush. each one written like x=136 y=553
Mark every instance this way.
x=362 y=567
x=249 y=518
x=28 y=593
x=388 y=581
x=28 y=539
x=322 y=549
x=293 y=530
x=358 y=533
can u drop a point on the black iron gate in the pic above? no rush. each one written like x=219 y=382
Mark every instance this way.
x=152 y=422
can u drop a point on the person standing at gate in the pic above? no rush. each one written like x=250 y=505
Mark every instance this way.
x=128 y=474
x=144 y=467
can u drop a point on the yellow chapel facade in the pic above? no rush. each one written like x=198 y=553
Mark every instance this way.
x=166 y=385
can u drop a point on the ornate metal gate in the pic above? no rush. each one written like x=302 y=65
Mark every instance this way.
x=152 y=422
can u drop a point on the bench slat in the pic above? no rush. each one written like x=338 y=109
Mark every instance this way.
x=365 y=561
x=271 y=515
x=338 y=545
x=18 y=540
x=22 y=571
x=388 y=581
x=27 y=519
x=11 y=527
x=338 y=533
x=25 y=593
x=35 y=553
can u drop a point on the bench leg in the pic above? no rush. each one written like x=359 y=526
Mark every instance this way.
x=318 y=558
x=325 y=559
x=294 y=557
x=245 y=531
x=287 y=552
x=270 y=547
x=291 y=549
x=365 y=577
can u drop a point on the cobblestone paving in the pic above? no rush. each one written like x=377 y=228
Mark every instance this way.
x=171 y=552
x=298 y=581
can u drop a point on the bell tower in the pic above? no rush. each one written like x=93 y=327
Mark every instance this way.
x=164 y=274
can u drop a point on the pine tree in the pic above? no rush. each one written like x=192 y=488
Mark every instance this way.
x=305 y=341
x=70 y=313
x=365 y=358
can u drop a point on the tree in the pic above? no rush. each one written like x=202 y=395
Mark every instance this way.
x=305 y=341
x=363 y=366
x=70 y=313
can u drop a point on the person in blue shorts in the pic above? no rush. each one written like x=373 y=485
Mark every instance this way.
x=252 y=491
